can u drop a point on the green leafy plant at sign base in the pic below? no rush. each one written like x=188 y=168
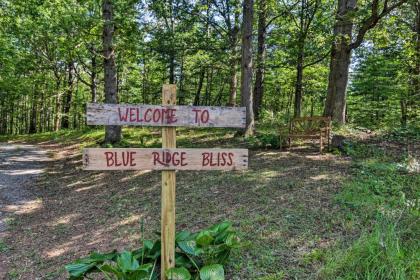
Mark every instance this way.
x=199 y=255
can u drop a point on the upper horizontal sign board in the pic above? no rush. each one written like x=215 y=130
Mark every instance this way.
x=165 y=159
x=156 y=115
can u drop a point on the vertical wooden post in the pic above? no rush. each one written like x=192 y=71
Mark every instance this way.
x=168 y=190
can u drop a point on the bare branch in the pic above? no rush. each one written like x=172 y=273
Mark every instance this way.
x=318 y=60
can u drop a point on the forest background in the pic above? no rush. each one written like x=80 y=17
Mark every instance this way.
x=357 y=61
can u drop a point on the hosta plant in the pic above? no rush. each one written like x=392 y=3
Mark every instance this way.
x=199 y=256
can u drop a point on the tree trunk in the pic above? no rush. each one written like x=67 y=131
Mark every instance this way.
x=233 y=37
x=57 y=110
x=112 y=132
x=181 y=95
x=335 y=105
x=299 y=82
x=416 y=73
x=65 y=119
x=172 y=68
x=93 y=81
x=32 y=122
x=209 y=83
x=200 y=86
x=259 y=76
x=403 y=105
x=233 y=81
x=246 y=67
x=57 y=106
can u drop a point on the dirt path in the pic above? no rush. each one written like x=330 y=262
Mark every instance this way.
x=19 y=167
x=283 y=207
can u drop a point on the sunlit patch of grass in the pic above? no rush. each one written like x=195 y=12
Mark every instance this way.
x=377 y=209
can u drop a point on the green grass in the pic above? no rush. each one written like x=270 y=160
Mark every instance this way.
x=3 y=246
x=144 y=137
x=381 y=203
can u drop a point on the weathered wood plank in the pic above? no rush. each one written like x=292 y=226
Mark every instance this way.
x=168 y=191
x=157 y=115
x=164 y=159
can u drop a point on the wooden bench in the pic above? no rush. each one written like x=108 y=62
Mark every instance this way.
x=310 y=128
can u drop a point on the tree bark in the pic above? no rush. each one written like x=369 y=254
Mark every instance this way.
x=33 y=117
x=299 y=82
x=200 y=86
x=416 y=72
x=233 y=86
x=246 y=67
x=335 y=105
x=112 y=132
x=259 y=75
x=172 y=68
x=233 y=38
x=65 y=118
x=93 y=81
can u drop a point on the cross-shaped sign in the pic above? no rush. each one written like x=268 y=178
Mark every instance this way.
x=169 y=158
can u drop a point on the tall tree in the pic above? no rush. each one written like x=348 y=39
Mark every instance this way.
x=260 y=67
x=416 y=72
x=246 y=67
x=112 y=132
x=304 y=20
x=343 y=45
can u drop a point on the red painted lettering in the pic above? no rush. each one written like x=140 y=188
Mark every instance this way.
x=211 y=160
x=183 y=158
x=176 y=161
x=223 y=163
x=148 y=111
x=132 y=163
x=197 y=112
x=109 y=158
x=171 y=116
x=156 y=116
x=206 y=160
x=205 y=116
x=125 y=158
x=116 y=160
x=123 y=118
x=132 y=114
x=230 y=162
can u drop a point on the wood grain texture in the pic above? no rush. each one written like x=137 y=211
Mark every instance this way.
x=168 y=200
x=165 y=115
x=157 y=159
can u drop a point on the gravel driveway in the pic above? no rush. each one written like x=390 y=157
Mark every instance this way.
x=19 y=166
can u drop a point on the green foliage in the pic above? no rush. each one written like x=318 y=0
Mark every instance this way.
x=381 y=201
x=265 y=141
x=200 y=255
x=381 y=254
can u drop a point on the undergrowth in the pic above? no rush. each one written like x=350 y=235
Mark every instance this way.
x=382 y=203
x=198 y=256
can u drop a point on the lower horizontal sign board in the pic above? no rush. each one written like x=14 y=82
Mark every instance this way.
x=164 y=159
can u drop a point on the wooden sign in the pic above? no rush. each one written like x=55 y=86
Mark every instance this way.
x=164 y=159
x=168 y=158
x=156 y=115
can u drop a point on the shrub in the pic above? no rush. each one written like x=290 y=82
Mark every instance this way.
x=198 y=255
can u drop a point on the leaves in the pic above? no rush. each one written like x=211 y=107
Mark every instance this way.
x=212 y=272
x=127 y=262
x=77 y=270
x=190 y=247
x=178 y=273
x=208 y=249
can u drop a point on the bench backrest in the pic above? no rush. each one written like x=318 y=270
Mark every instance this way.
x=309 y=125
